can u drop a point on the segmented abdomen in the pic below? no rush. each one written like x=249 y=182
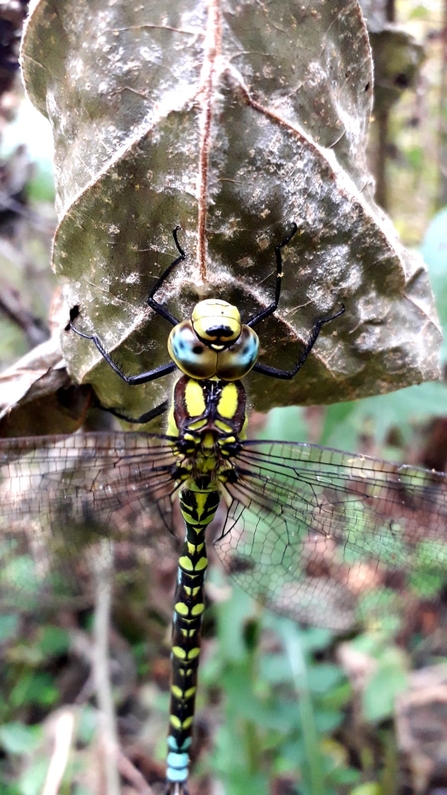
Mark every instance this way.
x=198 y=509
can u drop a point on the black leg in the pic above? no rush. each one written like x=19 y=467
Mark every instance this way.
x=143 y=418
x=286 y=374
x=274 y=305
x=160 y=310
x=157 y=372
x=132 y=380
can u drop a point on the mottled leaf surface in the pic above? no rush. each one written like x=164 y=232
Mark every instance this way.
x=232 y=119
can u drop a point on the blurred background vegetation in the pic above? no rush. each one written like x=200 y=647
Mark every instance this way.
x=280 y=709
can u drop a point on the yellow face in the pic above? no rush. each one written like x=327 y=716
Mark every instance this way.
x=214 y=343
x=216 y=323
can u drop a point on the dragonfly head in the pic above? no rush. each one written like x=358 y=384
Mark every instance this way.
x=216 y=323
x=214 y=343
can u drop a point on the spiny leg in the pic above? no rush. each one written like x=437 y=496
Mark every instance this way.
x=158 y=308
x=156 y=372
x=148 y=416
x=279 y=274
x=131 y=380
x=274 y=372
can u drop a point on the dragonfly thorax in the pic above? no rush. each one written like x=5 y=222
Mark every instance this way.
x=214 y=343
x=208 y=418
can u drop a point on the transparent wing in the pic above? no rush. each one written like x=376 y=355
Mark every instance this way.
x=62 y=498
x=322 y=535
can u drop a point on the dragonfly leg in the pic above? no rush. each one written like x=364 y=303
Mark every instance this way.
x=143 y=418
x=158 y=308
x=279 y=274
x=132 y=380
x=157 y=372
x=274 y=372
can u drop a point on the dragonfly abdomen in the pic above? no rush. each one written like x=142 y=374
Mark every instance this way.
x=198 y=508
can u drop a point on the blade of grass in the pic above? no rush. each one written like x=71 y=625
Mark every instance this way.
x=292 y=640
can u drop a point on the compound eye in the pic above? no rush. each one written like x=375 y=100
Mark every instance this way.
x=235 y=362
x=192 y=356
x=216 y=323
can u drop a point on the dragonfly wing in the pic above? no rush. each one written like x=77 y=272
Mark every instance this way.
x=317 y=533
x=64 y=499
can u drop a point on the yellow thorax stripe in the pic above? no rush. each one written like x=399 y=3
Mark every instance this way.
x=194 y=399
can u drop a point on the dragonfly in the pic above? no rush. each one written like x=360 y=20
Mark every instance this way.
x=309 y=531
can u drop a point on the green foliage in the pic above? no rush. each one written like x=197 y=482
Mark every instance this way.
x=32 y=779
x=15 y=738
x=282 y=706
x=369 y=788
x=388 y=680
x=41 y=186
x=265 y=732
x=8 y=627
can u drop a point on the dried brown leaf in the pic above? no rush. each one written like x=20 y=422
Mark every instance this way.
x=233 y=119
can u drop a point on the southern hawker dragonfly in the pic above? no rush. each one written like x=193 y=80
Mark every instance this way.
x=308 y=531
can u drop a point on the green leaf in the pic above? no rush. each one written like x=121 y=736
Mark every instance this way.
x=16 y=738
x=33 y=778
x=34 y=688
x=434 y=249
x=323 y=677
x=327 y=721
x=344 y=424
x=285 y=423
x=389 y=679
x=53 y=640
x=87 y=724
